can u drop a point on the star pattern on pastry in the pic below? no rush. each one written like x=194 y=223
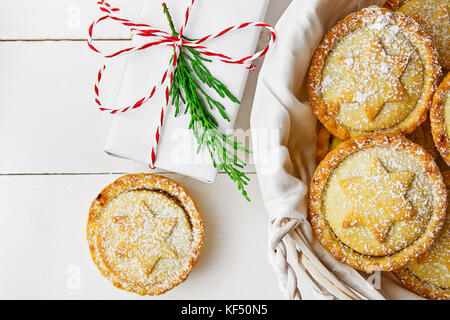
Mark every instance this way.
x=377 y=200
x=145 y=238
x=372 y=79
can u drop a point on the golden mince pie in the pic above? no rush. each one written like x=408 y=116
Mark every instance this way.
x=429 y=274
x=376 y=202
x=326 y=142
x=434 y=17
x=145 y=233
x=375 y=71
x=440 y=119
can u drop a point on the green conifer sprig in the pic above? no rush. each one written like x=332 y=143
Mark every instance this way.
x=186 y=90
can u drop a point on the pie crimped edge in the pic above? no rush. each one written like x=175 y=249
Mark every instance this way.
x=435 y=25
x=149 y=182
x=413 y=283
x=438 y=128
x=414 y=33
x=347 y=255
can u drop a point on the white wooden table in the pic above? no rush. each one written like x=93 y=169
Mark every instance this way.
x=52 y=166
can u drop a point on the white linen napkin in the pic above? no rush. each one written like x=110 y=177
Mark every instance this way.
x=132 y=134
x=285 y=161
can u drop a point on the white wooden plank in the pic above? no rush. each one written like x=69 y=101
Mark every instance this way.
x=48 y=119
x=60 y=19
x=69 y=19
x=43 y=241
x=46 y=97
x=49 y=124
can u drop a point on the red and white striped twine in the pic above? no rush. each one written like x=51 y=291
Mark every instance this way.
x=160 y=37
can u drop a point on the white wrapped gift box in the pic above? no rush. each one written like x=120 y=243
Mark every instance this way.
x=132 y=134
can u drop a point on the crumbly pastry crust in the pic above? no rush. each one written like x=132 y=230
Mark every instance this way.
x=426 y=290
x=409 y=280
x=415 y=35
x=434 y=17
x=154 y=183
x=438 y=127
x=335 y=246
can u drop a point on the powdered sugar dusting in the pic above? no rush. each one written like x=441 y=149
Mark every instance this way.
x=374 y=76
x=374 y=72
x=434 y=16
x=168 y=253
x=401 y=230
x=410 y=232
x=145 y=233
x=433 y=266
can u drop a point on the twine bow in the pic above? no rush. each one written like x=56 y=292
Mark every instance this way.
x=159 y=37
